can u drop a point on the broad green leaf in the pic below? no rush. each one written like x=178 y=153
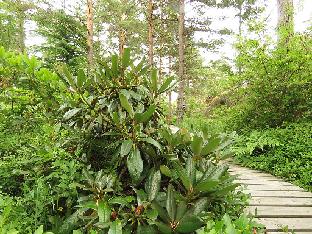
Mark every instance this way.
x=13 y=231
x=115 y=228
x=104 y=212
x=181 y=210
x=211 y=146
x=152 y=214
x=229 y=225
x=206 y=186
x=77 y=232
x=171 y=206
x=71 y=113
x=152 y=142
x=161 y=211
x=163 y=228
x=190 y=169
x=182 y=175
x=153 y=184
x=135 y=164
x=115 y=64
x=146 y=229
x=126 y=146
x=197 y=145
x=146 y=116
x=39 y=230
x=200 y=205
x=226 y=190
x=139 y=67
x=141 y=196
x=126 y=58
x=68 y=76
x=154 y=80
x=165 y=170
x=143 y=70
x=115 y=117
x=89 y=205
x=218 y=172
x=108 y=71
x=126 y=104
x=124 y=201
x=71 y=223
x=166 y=85
x=81 y=78
x=189 y=224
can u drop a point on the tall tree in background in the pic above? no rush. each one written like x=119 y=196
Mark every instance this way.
x=150 y=22
x=285 y=25
x=122 y=25
x=90 y=34
x=13 y=17
x=20 y=13
x=66 y=43
x=181 y=98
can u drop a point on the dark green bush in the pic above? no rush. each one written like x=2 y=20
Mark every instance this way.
x=109 y=162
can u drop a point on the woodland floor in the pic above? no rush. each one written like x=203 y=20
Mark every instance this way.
x=279 y=205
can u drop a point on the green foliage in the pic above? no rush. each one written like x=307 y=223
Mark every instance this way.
x=243 y=224
x=285 y=152
x=66 y=43
x=26 y=86
x=122 y=116
x=284 y=94
x=268 y=104
x=12 y=18
x=141 y=177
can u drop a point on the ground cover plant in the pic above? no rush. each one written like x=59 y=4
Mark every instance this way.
x=285 y=152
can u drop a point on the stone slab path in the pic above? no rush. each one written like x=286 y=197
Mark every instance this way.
x=277 y=204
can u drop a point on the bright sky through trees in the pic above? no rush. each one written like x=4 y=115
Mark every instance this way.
x=303 y=15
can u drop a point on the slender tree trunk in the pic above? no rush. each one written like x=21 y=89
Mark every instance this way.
x=150 y=21
x=122 y=41
x=240 y=33
x=181 y=98
x=240 y=21
x=21 y=8
x=169 y=93
x=90 y=52
x=285 y=25
x=122 y=33
x=21 y=34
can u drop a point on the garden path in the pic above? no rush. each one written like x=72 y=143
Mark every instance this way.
x=277 y=204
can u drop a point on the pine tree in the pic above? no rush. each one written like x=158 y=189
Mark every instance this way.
x=90 y=51
x=150 y=22
x=181 y=92
x=285 y=25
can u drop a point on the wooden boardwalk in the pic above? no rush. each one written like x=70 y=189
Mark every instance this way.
x=277 y=204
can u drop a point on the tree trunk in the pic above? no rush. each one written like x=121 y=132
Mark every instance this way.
x=90 y=35
x=181 y=98
x=240 y=20
x=21 y=34
x=150 y=32
x=21 y=8
x=240 y=6
x=122 y=33
x=122 y=41
x=285 y=24
x=169 y=94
